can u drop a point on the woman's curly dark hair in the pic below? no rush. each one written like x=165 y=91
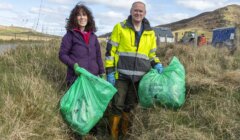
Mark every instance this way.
x=72 y=20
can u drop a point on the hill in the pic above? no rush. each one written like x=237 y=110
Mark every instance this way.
x=21 y=33
x=205 y=22
x=104 y=35
x=222 y=17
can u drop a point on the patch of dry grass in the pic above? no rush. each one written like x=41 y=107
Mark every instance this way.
x=32 y=83
x=212 y=108
x=31 y=79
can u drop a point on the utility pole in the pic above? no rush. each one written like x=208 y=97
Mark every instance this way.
x=42 y=28
x=46 y=30
x=39 y=13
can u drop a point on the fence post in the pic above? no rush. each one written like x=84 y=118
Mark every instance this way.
x=176 y=37
x=158 y=41
x=166 y=40
x=237 y=36
x=195 y=38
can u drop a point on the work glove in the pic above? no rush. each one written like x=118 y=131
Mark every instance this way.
x=111 y=78
x=75 y=69
x=159 y=67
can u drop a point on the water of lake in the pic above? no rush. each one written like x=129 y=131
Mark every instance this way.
x=6 y=47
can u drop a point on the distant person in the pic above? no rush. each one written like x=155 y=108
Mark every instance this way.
x=80 y=45
x=131 y=53
x=202 y=40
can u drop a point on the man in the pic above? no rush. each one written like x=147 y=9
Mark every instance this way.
x=130 y=54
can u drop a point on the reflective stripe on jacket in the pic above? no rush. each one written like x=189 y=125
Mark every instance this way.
x=124 y=57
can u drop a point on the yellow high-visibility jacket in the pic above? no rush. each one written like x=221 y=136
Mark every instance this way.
x=125 y=57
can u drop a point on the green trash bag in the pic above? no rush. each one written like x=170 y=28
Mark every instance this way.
x=167 y=88
x=85 y=102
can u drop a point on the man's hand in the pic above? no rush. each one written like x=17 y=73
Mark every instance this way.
x=159 y=67
x=111 y=78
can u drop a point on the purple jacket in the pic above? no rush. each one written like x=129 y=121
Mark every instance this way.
x=74 y=50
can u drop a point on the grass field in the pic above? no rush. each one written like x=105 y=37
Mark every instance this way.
x=19 y=33
x=32 y=83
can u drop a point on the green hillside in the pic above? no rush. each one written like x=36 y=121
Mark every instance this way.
x=21 y=33
x=222 y=17
x=32 y=83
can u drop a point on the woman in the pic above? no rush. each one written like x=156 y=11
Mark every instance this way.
x=80 y=45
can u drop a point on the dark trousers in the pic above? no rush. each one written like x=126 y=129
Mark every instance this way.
x=126 y=97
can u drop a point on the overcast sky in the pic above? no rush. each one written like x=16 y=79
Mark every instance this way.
x=52 y=16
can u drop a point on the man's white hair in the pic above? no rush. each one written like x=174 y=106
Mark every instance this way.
x=138 y=2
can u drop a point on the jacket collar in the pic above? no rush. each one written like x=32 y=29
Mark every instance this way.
x=76 y=30
x=78 y=35
x=145 y=22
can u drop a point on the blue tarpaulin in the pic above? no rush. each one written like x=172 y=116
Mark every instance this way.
x=221 y=35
